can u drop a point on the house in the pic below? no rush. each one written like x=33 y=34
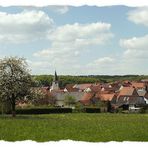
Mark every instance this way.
x=126 y=83
x=87 y=97
x=138 y=85
x=146 y=98
x=144 y=80
x=133 y=108
x=130 y=100
x=60 y=97
x=70 y=88
x=127 y=97
x=93 y=88
x=82 y=87
x=110 y=88
x=128 y=91
x=107 y=97
x=116 y=86
x=141 y=92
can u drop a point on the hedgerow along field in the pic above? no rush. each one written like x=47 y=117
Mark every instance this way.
x=77 y=126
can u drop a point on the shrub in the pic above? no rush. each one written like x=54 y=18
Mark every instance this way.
x=69 y=100
x=43 y=110
x=79 y=107
x=92 y=110
x=5 y=107
x=143 y=110
x=119 y=110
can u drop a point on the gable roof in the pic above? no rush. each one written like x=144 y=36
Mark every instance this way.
x=107 y=97
x=128 y=91
x=87 y=96
x=70 y=88
x=138 y=84
x=141 y=92
x=95 y=88
x=144 y=80
x=82 y=86
x=130 y=100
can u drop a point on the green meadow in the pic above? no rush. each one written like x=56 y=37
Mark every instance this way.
x=75 y=126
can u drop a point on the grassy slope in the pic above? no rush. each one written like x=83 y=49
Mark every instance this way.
x=80 y=127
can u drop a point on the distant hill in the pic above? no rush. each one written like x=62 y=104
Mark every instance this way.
x=45 y=80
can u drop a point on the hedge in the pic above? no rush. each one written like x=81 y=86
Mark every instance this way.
x=43 y=110
x=92 y=110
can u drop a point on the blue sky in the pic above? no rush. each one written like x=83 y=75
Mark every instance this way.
x=77 y=40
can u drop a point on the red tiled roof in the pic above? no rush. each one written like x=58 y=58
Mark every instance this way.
x=87 y=96
x=70 y=88
x=144 y=80
x=107 y=97
x=138 y=85
x=127 y=91
x=82 y=86
x=126 y=81
x=95 y=88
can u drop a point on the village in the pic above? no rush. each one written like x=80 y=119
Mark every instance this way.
x=129 y=96
x=74 y=72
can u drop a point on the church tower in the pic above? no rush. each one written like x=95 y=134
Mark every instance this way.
x=55 y=83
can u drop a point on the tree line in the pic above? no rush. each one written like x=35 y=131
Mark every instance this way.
x=46 y=80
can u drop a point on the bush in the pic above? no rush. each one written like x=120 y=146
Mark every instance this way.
x=5 y=107
x=119 y=110
x=79 y=107
x=43 y=110
x=69 y=100
x=143 y=110
x=92 y=110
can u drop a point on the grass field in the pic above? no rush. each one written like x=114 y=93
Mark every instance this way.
x=78 y=126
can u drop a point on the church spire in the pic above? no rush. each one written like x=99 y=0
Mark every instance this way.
x=55 y=76
x=55 y=83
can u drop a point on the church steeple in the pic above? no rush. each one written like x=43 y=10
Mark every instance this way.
x=55 y=76
x=55 y=83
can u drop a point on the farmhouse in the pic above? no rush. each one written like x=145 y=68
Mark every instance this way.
x=128 y=97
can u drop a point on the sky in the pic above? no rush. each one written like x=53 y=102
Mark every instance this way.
x=86 y=40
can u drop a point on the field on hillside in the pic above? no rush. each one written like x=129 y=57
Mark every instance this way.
x=79 y=127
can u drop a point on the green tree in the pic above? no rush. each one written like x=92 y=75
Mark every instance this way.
x=69 y=100
x=4 y=107
x=39 y=97
x=36 y=94
x=15 y=80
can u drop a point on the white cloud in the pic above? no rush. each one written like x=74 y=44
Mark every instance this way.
x=73 y=39
x=136 y=47
x=70 y=42
x=135 y=43
x=134 y=58
x=59 y=9
x=24 y=26
x=139 y=16
x=102 y=61
x=102 y=65
x=82 y=32
x=39 y=66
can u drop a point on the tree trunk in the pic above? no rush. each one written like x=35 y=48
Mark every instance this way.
x=13 y=107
